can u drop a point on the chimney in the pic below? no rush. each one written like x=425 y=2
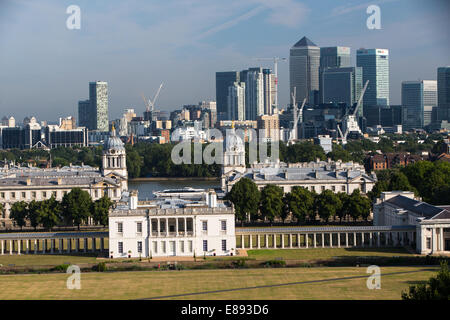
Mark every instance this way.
x=133 y=201
x=28 y=181
x=59 y=181
x=212 y=199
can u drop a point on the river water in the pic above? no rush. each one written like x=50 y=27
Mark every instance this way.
x=146 y=188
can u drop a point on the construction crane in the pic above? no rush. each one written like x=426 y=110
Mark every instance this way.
x=350 y=119
x=296 y=117
x=150 y=104
x=275 y=70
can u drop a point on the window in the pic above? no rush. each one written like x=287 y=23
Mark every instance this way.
x=322 y=188
x=13 y=195
x=190 y=245
x=139 y=246
x=24 y=195
x=2 y=195
x=163 y=247
x=313 y=188
x=182 y=246
x=33 y=194
x=428 y=243
x=205 y=225
x=223 y=225
x=54 y=193
x=121 y=247
x=119 y=227
x=139 y=227
x=333 y=188
x=343 y=188
x=224 y=245
x=155 y=247
x=205 y=245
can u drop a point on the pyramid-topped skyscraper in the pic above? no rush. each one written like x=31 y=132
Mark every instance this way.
x=304 y=62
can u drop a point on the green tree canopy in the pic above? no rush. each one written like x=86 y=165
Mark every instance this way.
x=245 y=196
x=100 y=210
x=271 y=202
x=76 y=206
x=49 y=213
x=436 y=288
x=19 y=213
x=300 y=202
x=327 y=204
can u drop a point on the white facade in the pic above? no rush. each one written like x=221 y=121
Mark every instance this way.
x=236 y=101
x=432 y=223
x=175 y=227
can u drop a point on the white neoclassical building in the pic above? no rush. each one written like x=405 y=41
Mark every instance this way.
x=31 y=183
x=172 y=226
x=432 y=223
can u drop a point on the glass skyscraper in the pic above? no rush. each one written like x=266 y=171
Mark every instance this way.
x=98 y=96
x=375 y=65
x=304 y=62
x=418 y=100
x=443 y=88
x=223 y=81
x=342 y=85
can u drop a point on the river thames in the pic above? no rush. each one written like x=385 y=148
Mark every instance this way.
x=146 y=188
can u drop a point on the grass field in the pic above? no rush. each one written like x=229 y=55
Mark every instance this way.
x=324 y=253
x=143 y=284
x=44 y=260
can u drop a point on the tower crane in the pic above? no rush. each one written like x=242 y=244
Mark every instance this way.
x=350 y=119
x=296 y=117
x=150 y=104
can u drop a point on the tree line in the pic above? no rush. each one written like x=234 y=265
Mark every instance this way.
x=301 y=204
x=429 y=180
x=75 y=208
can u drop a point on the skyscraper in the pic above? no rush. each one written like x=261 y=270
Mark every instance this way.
x=304 y=61
x=269 y=90
x=254 y=93
x=223 y=81
x=418 y=99
x=334 y=57
x=342 y=85
x=98 y=96
x=236 y=101
x=443 y=92
x=84 y=115
x=375 y=65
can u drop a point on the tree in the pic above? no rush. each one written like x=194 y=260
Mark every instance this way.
x=344 y=209
x=327 y=203
x=245 y=196
x=300 y=202
x=339 y=153
x=358 y=205
x=76 y=207
x=436 y=288
x=19 y=213
x=100 y=210
x=271 y=202
x=33 y=213
x=134 y=162
x=49 y=213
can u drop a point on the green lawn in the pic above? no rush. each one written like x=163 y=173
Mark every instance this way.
x=44 y=259
x=147 y=284
x=324 y=253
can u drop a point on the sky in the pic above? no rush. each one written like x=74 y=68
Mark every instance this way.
x=45 y=68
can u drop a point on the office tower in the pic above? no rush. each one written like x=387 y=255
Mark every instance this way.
x=270 y=126
x=342 y=85
x=334 y=57
x=254 y=92
x=269 y=90
x=304 y=61
x=84 y=115
x=223 y=81
x=375 y=65
x=443 y=89
x=98 y=96
x=418 y=99
x=236 y=101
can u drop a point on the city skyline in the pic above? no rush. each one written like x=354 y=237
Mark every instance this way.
x=134 y=52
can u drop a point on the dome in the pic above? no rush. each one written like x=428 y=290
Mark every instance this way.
x=114 y=142
x=234 y=142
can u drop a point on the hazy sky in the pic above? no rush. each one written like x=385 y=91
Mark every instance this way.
x=135 y=45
